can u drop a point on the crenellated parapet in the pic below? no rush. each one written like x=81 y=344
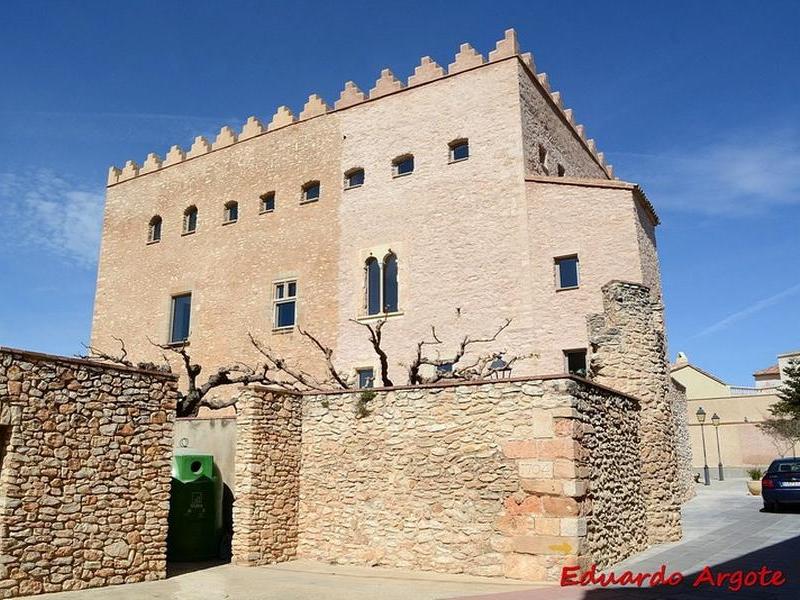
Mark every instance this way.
x=428 y=70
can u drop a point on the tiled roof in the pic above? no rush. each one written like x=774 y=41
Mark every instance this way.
x=773 y=370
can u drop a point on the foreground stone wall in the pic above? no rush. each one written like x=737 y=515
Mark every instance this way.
x=265 y=513
x=84 y=484
x=513 y=478
x=676 y=395
x=628 y=354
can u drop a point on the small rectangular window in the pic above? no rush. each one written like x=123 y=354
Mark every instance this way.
x=459 y=151
x=311 y=192
x=268 y=202
x=567 y=272
x=576 y=361
x=181 y=317
x=404 y=166
x=366 y=377
x=231 y=212
x=354 y=178
x=285 y=300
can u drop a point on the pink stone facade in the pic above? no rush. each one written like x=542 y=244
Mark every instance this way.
x=475 y=239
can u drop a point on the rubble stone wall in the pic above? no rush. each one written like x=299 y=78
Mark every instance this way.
x=267 y=461
x=85 y=474
x=628 y=354
x=512 y=479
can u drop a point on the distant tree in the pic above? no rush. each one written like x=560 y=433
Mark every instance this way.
x=784 y=433
x=788 y=405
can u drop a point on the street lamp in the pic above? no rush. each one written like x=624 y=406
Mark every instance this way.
x=499 y=368
x=715 y=421
x=701 y=418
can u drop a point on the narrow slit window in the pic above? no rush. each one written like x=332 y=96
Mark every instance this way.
x=154 y=230
x=390 y=283
x=190 y=220
x=373 y=274
x=543 y=159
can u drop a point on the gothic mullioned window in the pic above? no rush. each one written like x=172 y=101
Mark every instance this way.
x=381 y=285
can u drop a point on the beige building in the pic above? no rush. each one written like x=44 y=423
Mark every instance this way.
x=739 y=408
x=458 y=198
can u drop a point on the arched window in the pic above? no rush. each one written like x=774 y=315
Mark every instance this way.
x=231 y=212
x=311 y=191
x=353 y=178
x=154 y=230
x=381 y=284
x=390 y=283
x=373 y=269
x=403 y=165
x=190 y=220
x=459 y=150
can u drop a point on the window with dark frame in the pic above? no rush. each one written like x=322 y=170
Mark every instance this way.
x=575 y=361
x=181 y=318
x=567 y=272
x=285 y=301
x=353 y=178
x=560 y=170
x=267 y=202
x=311 y=191
x=366 y=377
x=403 y=165
x=459 y=150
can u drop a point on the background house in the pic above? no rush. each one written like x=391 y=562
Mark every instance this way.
x=740 y=409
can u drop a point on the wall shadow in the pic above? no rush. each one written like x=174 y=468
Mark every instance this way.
x=784 y=557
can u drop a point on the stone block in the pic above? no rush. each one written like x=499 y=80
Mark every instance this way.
x=535 y=469
x=545 y=544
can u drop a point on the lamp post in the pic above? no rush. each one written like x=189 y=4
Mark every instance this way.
x=701 y=418
x=715 y=421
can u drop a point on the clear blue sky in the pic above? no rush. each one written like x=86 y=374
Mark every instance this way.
x=697 y=101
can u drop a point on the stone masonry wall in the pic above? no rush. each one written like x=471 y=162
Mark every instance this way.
x=514 y=478
x=267 y=478
x=683 y=445
x=628 y=354
x=84 y=484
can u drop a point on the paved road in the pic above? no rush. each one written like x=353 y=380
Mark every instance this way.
x=723 y=528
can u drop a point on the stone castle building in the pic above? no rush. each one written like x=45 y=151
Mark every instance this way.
x=462 y=197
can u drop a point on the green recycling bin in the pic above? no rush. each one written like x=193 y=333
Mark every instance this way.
x=195 y=507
